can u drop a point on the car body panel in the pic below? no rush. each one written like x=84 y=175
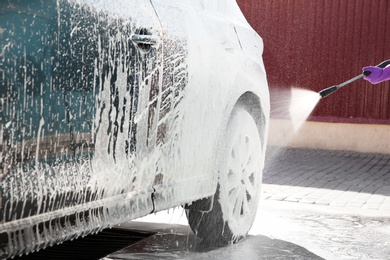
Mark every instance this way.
x=111 y=111
x=212 y=43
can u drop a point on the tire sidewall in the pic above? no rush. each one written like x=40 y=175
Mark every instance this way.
x=238 y=228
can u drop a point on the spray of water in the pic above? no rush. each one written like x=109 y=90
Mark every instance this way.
x=294 y=104
x=290 y=108
x=302 y=104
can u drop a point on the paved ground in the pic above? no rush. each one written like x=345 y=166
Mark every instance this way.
x=334 y=178
x=316 y=204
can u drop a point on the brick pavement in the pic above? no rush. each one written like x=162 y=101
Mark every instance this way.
x=334 y=178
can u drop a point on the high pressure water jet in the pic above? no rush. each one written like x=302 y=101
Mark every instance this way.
x=326 y=92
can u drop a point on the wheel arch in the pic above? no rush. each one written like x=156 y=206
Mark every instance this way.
x=198 y=212
x=257 y=109
x=253 y=105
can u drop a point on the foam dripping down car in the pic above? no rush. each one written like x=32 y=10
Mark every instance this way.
x=110 y=111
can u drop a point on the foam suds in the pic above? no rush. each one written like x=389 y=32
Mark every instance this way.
x=105 y=121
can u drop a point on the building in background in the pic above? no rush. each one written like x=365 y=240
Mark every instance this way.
x=314 y=44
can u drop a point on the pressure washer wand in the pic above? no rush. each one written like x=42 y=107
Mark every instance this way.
x=326 y=92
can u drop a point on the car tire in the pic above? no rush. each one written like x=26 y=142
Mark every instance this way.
x=234 y=204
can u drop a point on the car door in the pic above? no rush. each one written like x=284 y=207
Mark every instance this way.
x=124 y=125
x=75 y=117
x=199 y=42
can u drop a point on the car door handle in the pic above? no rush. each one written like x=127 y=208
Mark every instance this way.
x=142 y=39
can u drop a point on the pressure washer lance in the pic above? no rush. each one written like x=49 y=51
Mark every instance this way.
x=326 y=92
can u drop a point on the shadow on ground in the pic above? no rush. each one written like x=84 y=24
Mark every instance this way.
x=94 y=246
x=178 y=242
x=169 y=242
x=332 y=170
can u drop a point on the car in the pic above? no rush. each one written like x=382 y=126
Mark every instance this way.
x=113 y=110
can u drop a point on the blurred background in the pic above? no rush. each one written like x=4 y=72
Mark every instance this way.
x=314 y=44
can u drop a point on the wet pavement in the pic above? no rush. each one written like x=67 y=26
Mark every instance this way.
x=333 y=178
x=316 y=204
x=94 y=246
x=282 y=230
x=173 y=241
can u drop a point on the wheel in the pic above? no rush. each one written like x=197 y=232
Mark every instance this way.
x=235 y=202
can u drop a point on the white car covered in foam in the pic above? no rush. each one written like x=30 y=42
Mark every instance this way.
x=112 y=110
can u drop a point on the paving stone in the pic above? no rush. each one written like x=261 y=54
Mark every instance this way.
x=339 y=203
x=335 y=178
x=386 y=204
x=361 y=198
x=308 y=200
x=384 y=190
x=355 y=205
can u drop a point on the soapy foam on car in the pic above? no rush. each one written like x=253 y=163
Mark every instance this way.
x=82 y=187
x=122 y=182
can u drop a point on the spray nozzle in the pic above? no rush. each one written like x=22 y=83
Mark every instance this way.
x=326 y=92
